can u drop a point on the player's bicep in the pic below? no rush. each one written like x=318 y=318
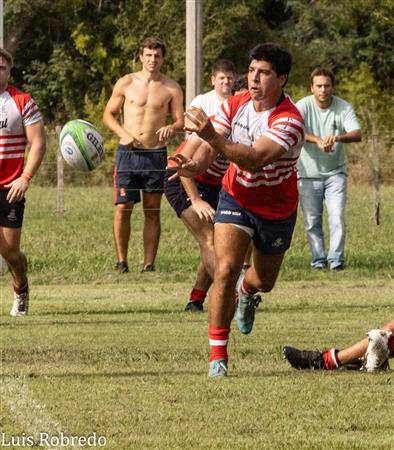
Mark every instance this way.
x=35 y=133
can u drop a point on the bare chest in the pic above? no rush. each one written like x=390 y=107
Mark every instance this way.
x=154 y=96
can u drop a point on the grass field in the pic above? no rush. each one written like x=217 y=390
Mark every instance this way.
x=115 y=355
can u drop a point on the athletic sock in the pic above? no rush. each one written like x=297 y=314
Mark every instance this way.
x=218 y=339
x=22 y=289
x=246 y=288
x=391 y=345
x=197 y=295
x=330 y=359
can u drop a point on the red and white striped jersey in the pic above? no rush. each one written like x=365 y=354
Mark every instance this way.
x=270 y=192
x=17 y=110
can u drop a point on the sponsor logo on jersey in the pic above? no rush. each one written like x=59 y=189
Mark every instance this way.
x=4 y=123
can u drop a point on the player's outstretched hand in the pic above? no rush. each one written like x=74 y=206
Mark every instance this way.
x=198 y=122
x=184 y=166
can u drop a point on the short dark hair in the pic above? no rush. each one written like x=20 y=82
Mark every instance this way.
x=222 y=65
x=7 y=56
x=322 y=71
x=275 y=54
x=241 y=82
x=153 y=43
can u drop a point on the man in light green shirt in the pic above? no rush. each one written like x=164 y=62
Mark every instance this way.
x=330 y=123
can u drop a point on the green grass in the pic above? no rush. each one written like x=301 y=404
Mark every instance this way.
x=77 y=246
x=116 y=355
x=125 y=362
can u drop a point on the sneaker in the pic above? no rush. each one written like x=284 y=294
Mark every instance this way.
x=246 y=306
x=194 y=307
x=217 y=368
x=377 y=354
x=148 y=268
x=122 y=267
x=21 y=304
x=338 y=268
x=303 y=359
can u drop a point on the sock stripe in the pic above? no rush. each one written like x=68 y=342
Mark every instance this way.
x=218 y=342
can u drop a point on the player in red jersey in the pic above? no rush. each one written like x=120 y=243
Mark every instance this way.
x=195 y=200
x=261 y=132
x=20 y=124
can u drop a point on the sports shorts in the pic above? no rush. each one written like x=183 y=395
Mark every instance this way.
x=138 y=169
x=11 y=214
x=178 y=198
x=272 y=237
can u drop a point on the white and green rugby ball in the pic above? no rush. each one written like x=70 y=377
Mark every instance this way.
x=81 y=145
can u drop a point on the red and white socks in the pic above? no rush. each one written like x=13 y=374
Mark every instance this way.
x=218 y=340
x=330 y=359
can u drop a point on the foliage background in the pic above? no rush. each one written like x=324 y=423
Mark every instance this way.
x=69 y=53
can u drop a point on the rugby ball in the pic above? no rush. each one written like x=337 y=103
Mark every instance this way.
x=81 y=145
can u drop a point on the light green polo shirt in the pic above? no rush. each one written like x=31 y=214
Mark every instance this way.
x=339 y=118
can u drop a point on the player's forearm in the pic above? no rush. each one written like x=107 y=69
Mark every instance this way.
x=312 y=138
x=178 y=125
x=112 y=123
x=244 y=156
x=351 y=136
x=190 y=188
x=35 y=156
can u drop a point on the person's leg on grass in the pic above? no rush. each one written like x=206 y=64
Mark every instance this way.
x=231 y=244
x=335 y=199
x=204 y=235
x=10 y=239
x=151 y=204
x=122 y=229
x=333 y=359
x=311 y=198
x=261 y=276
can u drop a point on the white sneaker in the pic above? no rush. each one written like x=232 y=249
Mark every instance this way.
x=21 y=304
x=377 y=355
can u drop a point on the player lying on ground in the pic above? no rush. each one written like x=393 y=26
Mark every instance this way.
x=374 y=350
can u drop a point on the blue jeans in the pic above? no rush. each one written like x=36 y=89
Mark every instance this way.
x=333 y=191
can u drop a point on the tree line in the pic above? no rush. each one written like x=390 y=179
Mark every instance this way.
x=69 y=53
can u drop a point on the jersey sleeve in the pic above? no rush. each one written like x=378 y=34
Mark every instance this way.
x=221 y=120
x=287 y=129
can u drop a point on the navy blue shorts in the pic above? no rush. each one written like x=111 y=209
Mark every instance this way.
x=178 y=198
x=272 y=237
x=11 y=214
x=138 y=169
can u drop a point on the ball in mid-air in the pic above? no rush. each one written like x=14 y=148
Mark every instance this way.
x=81 y=145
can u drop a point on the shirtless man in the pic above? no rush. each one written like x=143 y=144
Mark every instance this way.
x=145 y=99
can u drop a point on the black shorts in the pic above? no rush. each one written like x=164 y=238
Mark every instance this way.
x=272 y=237
x=178 y=198
x=11 y=214
x=138 y=169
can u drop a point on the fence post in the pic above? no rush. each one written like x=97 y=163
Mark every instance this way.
x=375 y=173
x=60 y=175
